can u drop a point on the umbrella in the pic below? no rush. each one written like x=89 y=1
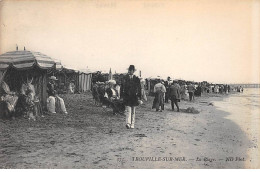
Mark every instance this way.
x=25 y=59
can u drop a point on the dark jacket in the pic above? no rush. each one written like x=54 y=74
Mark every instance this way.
x=131 y=90
x=174 y=91
x=158 y=100
x=51 y=89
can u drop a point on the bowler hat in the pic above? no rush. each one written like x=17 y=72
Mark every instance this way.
x=132 y=67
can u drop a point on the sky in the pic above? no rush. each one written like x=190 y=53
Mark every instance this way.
x=216 y=41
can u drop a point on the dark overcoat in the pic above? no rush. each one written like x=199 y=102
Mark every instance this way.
x=174 y=92
x=158 y=100
x=131 y=90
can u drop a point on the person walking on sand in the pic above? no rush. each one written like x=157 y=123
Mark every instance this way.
x=143 y=94
x=167 y=86
x=174 y=93
x=131 y=93
x=158 y=102
x=182 y=91
x=191 y=90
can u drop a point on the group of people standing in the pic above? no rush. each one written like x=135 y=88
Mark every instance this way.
x=177 y=91
x=163 y=94
x=220 y=89
x=165 y=91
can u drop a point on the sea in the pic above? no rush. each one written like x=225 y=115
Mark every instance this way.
x=244 y=109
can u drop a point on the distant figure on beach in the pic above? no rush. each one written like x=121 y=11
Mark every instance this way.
x=71 y=87
x=131 y=93
x=53 y=98
x=167 y=86
x=142 y=82
x=228 y=87
x=221 y=89
x=216 y=89
x=182 y=91
x=225 y=89
x=159 y=90
x=240 y=89
x=198 y=90
x=174 y=92
x=191 y=90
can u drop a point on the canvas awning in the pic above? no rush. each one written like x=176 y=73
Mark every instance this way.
x=25 y=59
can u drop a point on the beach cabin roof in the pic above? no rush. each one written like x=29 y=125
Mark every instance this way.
x=25 y=59
x=69 y=70
x=58 y=65
x=86 y=71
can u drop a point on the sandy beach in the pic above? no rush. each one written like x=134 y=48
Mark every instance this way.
x=92 y=137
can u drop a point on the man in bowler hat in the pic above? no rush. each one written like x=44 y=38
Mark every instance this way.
x=131 y=93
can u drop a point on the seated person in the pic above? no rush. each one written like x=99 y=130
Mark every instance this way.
x=71 y=87
x=101 y=92
x=113 y=99
x=27 y=105
x=53 y=97
x=28 y=101
x=8 y=99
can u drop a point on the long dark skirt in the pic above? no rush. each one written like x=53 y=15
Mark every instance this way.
x=117 y=105
x=158 y=101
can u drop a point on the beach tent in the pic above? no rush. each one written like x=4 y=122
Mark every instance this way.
x=82 y=79
x=19 y=66
x=85 y=81
x=65 y=76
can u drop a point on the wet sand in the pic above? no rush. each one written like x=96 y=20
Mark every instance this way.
x=91 y=137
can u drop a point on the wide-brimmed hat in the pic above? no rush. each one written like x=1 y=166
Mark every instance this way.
x=113 y=82
x=53 y=78
x=132 y=67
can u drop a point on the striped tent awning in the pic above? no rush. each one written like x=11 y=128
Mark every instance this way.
x=25 y=59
